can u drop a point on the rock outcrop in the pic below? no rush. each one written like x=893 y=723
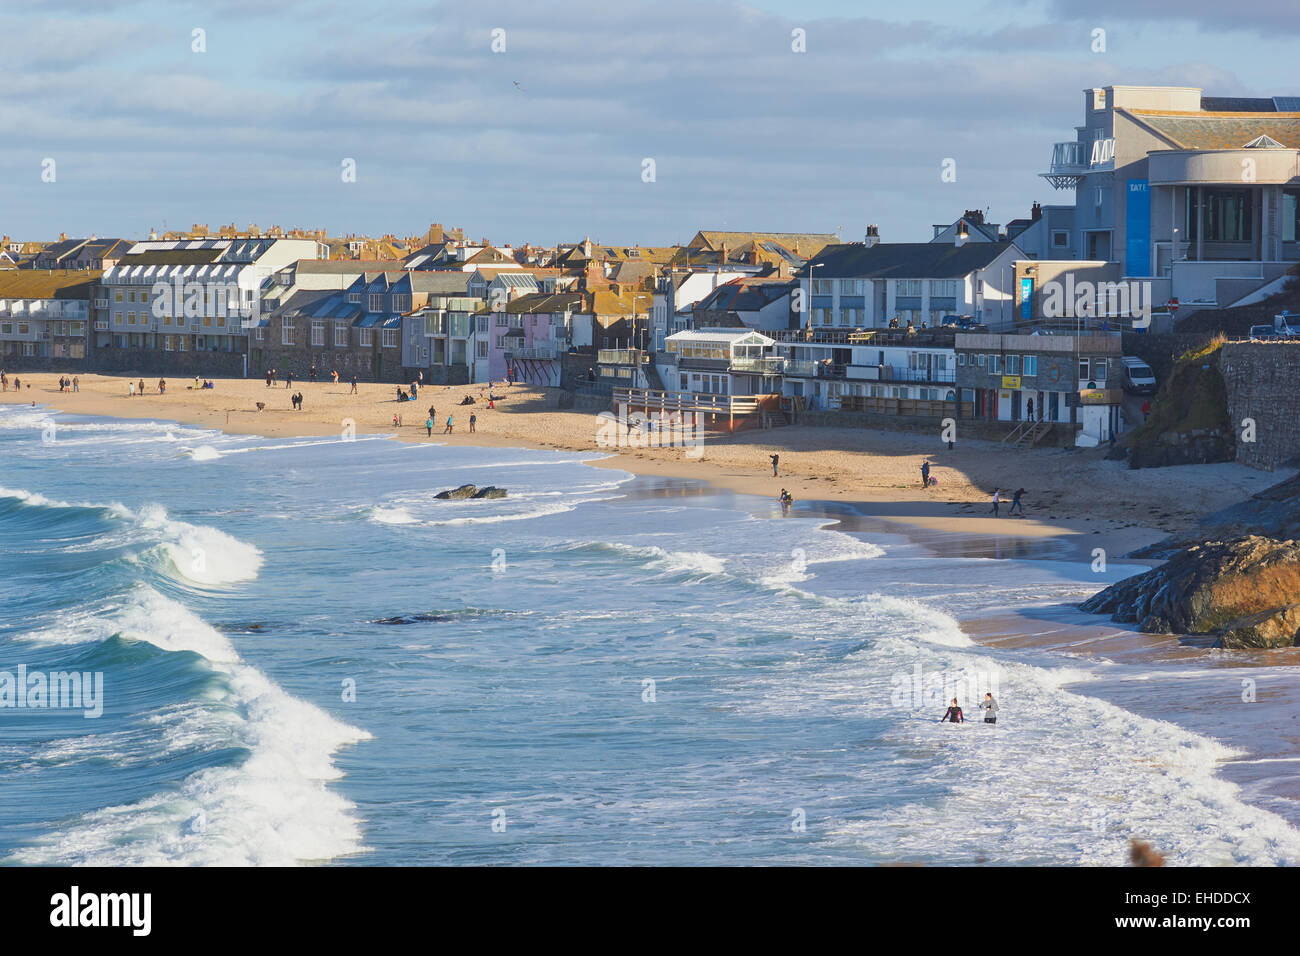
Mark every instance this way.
x=1244 y=591
x=472 y=491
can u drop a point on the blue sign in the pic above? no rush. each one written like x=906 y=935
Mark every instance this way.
x=1026 y=297
x=1137 y=229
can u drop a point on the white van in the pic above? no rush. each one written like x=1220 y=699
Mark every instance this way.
x=1138 y=377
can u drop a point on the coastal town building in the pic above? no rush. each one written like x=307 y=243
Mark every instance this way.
x=45 y=315
x=189 y=297
x=1198 y=194
x=866 y=285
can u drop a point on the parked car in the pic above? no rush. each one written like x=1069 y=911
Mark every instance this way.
x=1264 y=333
x=1138 y=377
x=1287 y=325
x=964 y=322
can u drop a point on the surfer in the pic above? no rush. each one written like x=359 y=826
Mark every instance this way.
x=953 y=714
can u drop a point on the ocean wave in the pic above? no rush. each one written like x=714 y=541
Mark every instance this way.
x=272 y=808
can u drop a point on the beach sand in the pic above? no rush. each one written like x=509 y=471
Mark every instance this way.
x=1067 y=492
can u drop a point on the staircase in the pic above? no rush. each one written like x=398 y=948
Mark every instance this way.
x=1027 y=434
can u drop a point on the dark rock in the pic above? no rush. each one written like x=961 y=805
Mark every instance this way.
x=464 y=491
x=1244 y=590
x=491 y=491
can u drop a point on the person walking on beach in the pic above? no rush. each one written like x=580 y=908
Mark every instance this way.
x=311 y=373
x=354 y=385
x=447 y=430
x=130 y=389
x=1015 y=503
x=433 y=413
x=428 y=425
x=997 y=500
x=336 y=376
x=775 y=460
x=141 y=386
x=288 y=379
x=925 y=474
x=162 y=386
x=268 y=378
x=76 y=383
x=990 y=708
x=473 y=420
x=953 y=714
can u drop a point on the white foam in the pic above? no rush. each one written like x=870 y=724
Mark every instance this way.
x=205 y=453
x=274 y=809
x=382 y=515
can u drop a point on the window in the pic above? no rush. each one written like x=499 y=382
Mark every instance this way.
x=944 y=288
x=482 y=349
x=1013 y=365
x=340 y=335
x=1029 y=365
x=286 y=331
x=995 y=364
x=961 y=359
x=117 y=296
x=501 y=320
x=980 y=360
x=908 y=287
x=169 y=344
x=207 y=321
x=500 y=342
x=401 y=302
x=354 y=298
x=389 y=338
x=366 y=337
x=850 y=287
x=1083 y=370
x=130 y=318
x=686 y=382
x=376 y=302
x=23 y=328
x=1227 y=215
x=482 y=324
x=182 y=343
x=318 y=333
x=259 y=334
x=1290 y=215
x=1099 y=370
x=823 y=286
x=1060 y=238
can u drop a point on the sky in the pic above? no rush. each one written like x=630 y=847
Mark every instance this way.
x=634 y=121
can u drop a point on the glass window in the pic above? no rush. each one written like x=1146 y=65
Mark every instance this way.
x=1013 y=365
x=995 y=364
x=318 y=333
x=980 y=360
x=961 y=358
x=1029 y=365
x=376 y=302
x=1226 y=214
x=1099 y=370
x=1083 y=370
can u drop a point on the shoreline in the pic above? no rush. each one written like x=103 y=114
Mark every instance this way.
x=877 y=472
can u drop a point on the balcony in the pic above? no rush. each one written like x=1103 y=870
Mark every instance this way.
x=101 y=325
x=543 y=352
x=1069 y=165
x=621 y=357
x=896 y=373
x=814 y=370
x=762 y=366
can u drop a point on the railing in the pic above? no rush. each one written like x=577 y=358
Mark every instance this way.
x=729 y=405
x=814 y=370
x=1069 y=158
x=536 y=352
x=920 y=407
x=767 y=366
x=621 y=357
x=101 y=326
x=892 y=373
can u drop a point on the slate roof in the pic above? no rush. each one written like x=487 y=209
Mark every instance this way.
x=906 y=260
x=1219 y=130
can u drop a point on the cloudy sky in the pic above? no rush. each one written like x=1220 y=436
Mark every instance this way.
x=547 y=140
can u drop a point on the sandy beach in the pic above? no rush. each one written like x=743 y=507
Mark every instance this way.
x=1067 y=492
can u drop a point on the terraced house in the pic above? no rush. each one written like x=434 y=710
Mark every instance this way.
x=44 y=317
x=187 y=305
x=356 y=330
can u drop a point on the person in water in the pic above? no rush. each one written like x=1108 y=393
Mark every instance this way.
x=990 y=708
x=953 y=714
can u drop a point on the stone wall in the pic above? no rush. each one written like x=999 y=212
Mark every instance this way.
x=1263 y=382
x=152 y=363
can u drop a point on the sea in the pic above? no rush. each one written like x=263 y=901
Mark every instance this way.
x=289 y=651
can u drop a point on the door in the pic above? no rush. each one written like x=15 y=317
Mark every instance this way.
x=1053 y=406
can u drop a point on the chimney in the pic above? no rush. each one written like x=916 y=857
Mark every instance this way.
x=1036 y=213
x=873 y=235
x=962 y=235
